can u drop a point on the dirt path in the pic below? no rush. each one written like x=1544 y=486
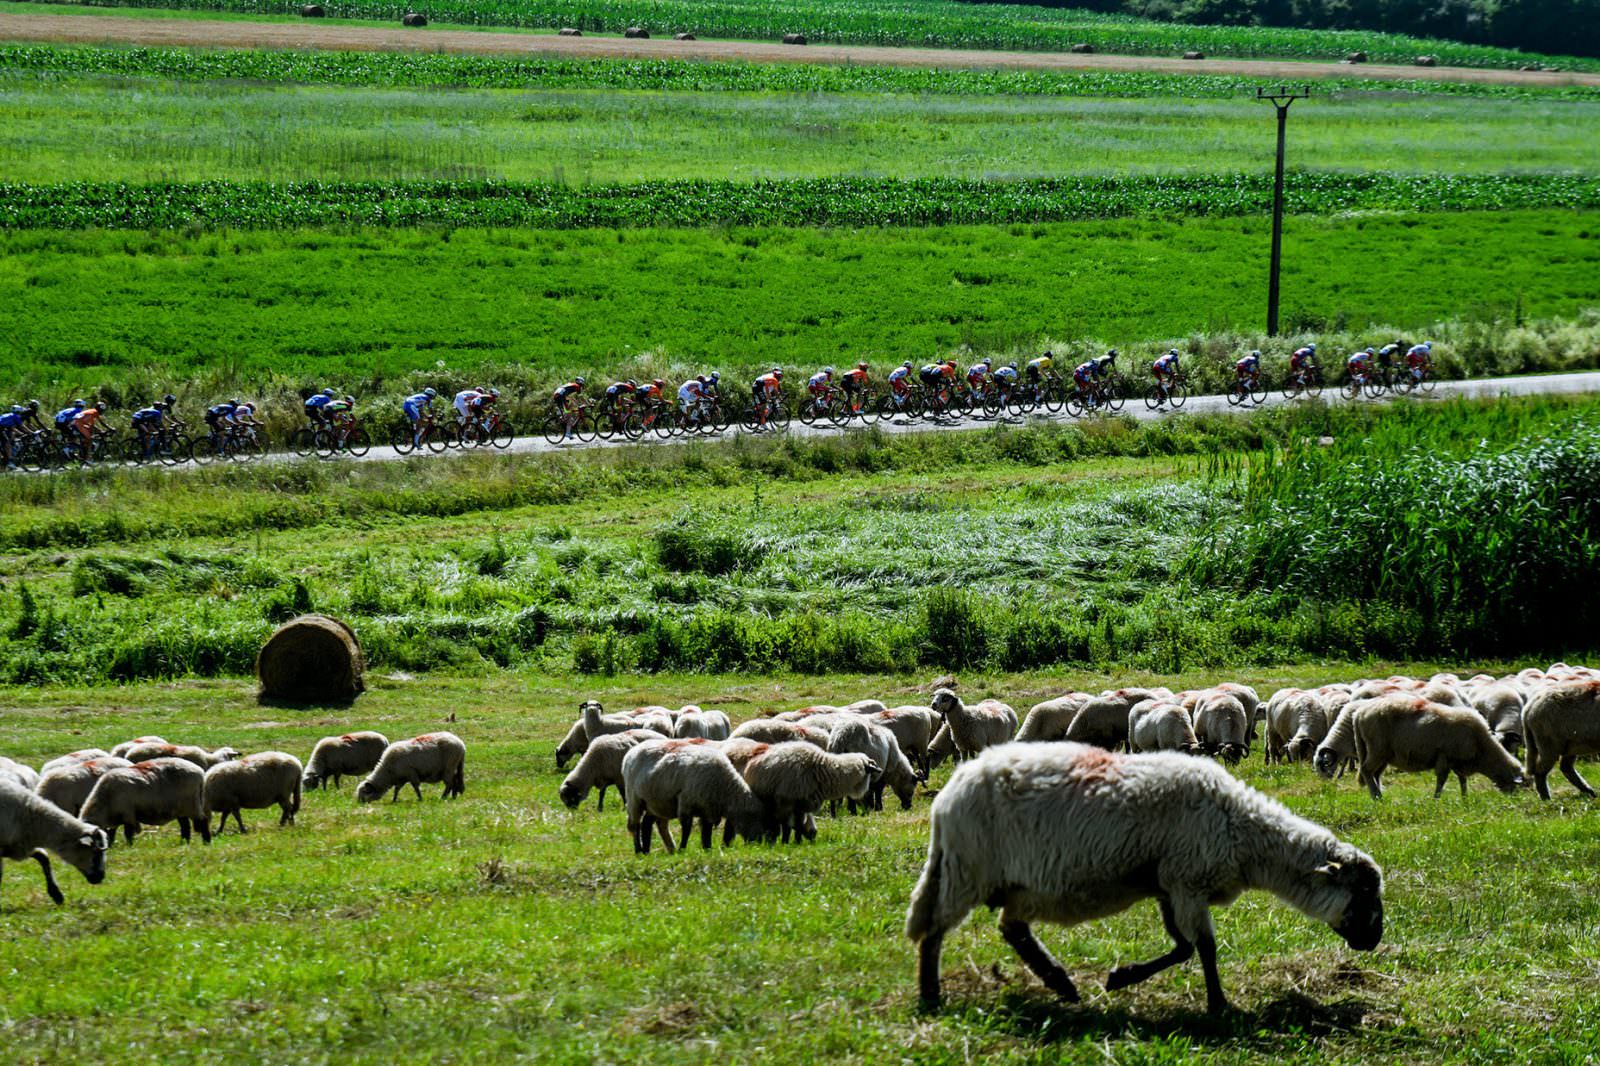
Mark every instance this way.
x=107 y=29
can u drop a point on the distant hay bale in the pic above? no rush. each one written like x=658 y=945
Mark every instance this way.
x=312 y=11
x=1426 y=61
x=1083 y=48
x=1194 y=55
x=569 y=31
x=311 y=659
x=794 y=38
x=683 y=36
x=412 y=18
x=636 y=31
x=1356 y=57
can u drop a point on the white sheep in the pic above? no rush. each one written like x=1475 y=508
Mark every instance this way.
x=31 y=826
x=941 y=747
x=1297 y=721
x=430 y=759
x=197 y=755
x=878 y=744
x=974 y=728
x=73 y=758
x=346 y=755
x=1500 y=706
x=793 y=780
x=601 y=766
x=592 y=723
x=153 y=792
x=1103 y=719
x=1155 y=725
x=19 y=774
x=1222 y=726
x=1337 y=752
x=252 y=784
x=707 y=725
x=913 y=728
x=772 y=731
x=684 y=781
x=121 y=750
x=68 y=787
x=1066 y=833
x=1049 y=720
x=1562 y=722
x=811 y=710
x=867 y=707
x=1416 y=735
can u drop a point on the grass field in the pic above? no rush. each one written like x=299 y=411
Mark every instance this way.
x=141 y=130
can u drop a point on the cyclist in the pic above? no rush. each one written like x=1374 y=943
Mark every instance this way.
x=1166 y=369
x=1036 y=369
x=316 y=407
x=1419 y=360
x=64 y=419
x=977 y=377
x=86 y=424
x=217 y=415
x=1104 y=365
x=242 y=417
x=819 y=385
x=1084 y=376
x=11 y=426
x=616 y=395
x=768 y=388
x=564 y=395
x=414 y=406
x=1302 y=361
x=1358 y=366
x=713 y=382
x=1247 y=371
x=463 y=404
x=146 y=422
x=30 y=415
x=650 y=393
x=900 y=383
x=689 y=396
x=478 y=406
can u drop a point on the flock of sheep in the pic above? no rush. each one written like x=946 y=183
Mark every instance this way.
x=74 y=805
x=1104 y=800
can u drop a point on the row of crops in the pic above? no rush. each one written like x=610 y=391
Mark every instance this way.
x=917 y=23
x=387 y=69
x=817 y=202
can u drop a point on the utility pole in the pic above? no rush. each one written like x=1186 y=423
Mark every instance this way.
x=1281 y=99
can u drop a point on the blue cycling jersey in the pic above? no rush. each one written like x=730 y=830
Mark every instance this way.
x=421 y=399
x=11 y=420
x=319 y=400
x=67 y=415
x=222 y=410
x=148 y=414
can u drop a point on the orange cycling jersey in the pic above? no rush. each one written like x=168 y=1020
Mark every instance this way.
x=768 y=382
x=86 y=420
x=855 y=377
x=648 y=392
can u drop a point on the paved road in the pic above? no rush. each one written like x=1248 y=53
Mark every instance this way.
x=112 y=29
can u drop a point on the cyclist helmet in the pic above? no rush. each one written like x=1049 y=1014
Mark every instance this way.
x=168 y=399
x=233 y=403
x=579 y=382
x=33 y=405
x=1172 y=351
x=328 y=393
x=1112 y=354
x=715 y=377
x=79 y=403
x=430 y=393
x=632 y=384
x=1255 y=353
x=1312 y=348
x=494 y=393
x=986 y=361
x=778 y=374
x=1012 y=365
x=1047 y=354
x=99 y=405
x=1427 y=346
x=701 y=378
x=349 y=399
x=828 y=370
x=861 y=366
x=1371 y=350
x=658 y=383
x=906 y=364
x=248 y=408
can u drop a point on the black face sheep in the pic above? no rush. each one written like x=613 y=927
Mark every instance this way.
x=794 y=780
x=1562 y=722
x=17 y=773
x=879 y=745
x=68 y=787
x=347 y=755
x=74 y=758
x=684 y=781
x=707 y=725
x=1222 y=726
x=153 y=792
x=1501 y=709
x=432 y=758
x=1337 y=751
x=199 y=756
x=601 y=766
x=974 y=728
x=1297 y=721
x=1161 y=726
x=121 y=750
x=772 y=731
x=1049 y=720
x=1416 y=735
x=30 y=826
x=1067 y=833
x=253 y=783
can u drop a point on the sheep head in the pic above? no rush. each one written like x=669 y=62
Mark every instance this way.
x=88 y=855
x=366 y=792
x=1361 y=882
x=311 y=780
x=944 y=701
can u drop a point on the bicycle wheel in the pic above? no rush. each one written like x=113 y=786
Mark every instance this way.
x=175 y=450
x=358 y=443
x=1054 y=399
x=1177 y=394
x=809 y=412
x=1426 y=384
x=403 y=440
x=633 y=427
x=304 y=442
x=1291 y=388
x=1375 y=388
x=1073 y=406
x=30 y=456
x=1313 y=385
x=1403 y=384
x=1351 y=389
x=554 y=429
x=1258 y=393
x=719 y=417
x=665 y=423
x=502 y=436
x=1237 y=394
x=584 y=430
x=325 y=444
x=840 y=413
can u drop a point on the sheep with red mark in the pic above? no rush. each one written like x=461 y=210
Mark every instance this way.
x=73 y=758
x=254 y=783
x=121 y=750
x=1067 y=833
x=1562 y=723
x=1297 y=721
x=793 y=780
x=68 y=787
x=601 y=767
x=199 y=756
x=153 y=792
x=687 y=781
x=433 y=758
x=31 y=827
x=772 y=731
x=346 y=755
x=974 y=728
x=1415 y=735
x=914 y=728
x=19 y=774
x=707 y=725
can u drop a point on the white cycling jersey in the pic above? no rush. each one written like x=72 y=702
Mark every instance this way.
x=463 y=401
x=688 y=393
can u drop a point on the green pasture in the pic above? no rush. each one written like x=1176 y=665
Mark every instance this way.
x=143 y=130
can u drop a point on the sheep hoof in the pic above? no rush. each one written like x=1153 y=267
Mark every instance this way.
x=1121 y=977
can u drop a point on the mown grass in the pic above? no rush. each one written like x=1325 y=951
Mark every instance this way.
x=133 y=314
x=928 y=23
x=504 y=927
x=150 y=130
x=391 y=70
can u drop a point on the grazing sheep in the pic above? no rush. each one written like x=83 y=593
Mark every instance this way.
x=591 y=723
x=772 y=731
x=350 y=754
x=431 y=759
x=601 y=766
x=879 y=745
x=1500 y=706
x=708 y=725
x=685 y=780
x=867 y=707
x=740 y=750
x=253 y=783
x=24 y=777
x=153 y=792
x=1066 y=833
x=30 y=826
x=794 y=780
x=1154 y=725
x=1254 y=713
x=814 y=710
x=1416 y=735
x=74 y=758
x=1049 y=720
x=1337 y=752
x=941 y=747
x=1222 y=726
x=1445 y=692
x=1103 y=720
x=121 y=750
x=977 y=727
x=68 y=787
x=913 y=729
x=199 y=756
x=1297 y=721
x=1562 y=722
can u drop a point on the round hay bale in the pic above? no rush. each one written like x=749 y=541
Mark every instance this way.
x=636 y=31
x=794 y=38
x=312 y=11
x=1083 y=48
x=683 y=36
x=413 y=18
x=311 y=659
x=1194 y=55
x=1356 y=57
x=568 y=31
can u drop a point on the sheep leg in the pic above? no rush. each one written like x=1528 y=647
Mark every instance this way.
x=1216 y=1002
x=642 y=833
x=666 y=835
x=128 y=831
x=50 y=885
x=1569 y=770
x=1461 y=775
x=602 y=804
x=1441 y=774
x=928 y=969
x=396 y=797
x=239 y=821
x=183 y=829
x=686 y=823
x=1020 y=936
x=706 y=828
x=1133 y=973
x=416 y=786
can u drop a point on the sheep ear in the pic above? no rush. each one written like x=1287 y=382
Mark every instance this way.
x=1329 y=869
x=96 y=839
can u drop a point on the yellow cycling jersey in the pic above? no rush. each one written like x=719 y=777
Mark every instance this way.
x=1042 y=363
